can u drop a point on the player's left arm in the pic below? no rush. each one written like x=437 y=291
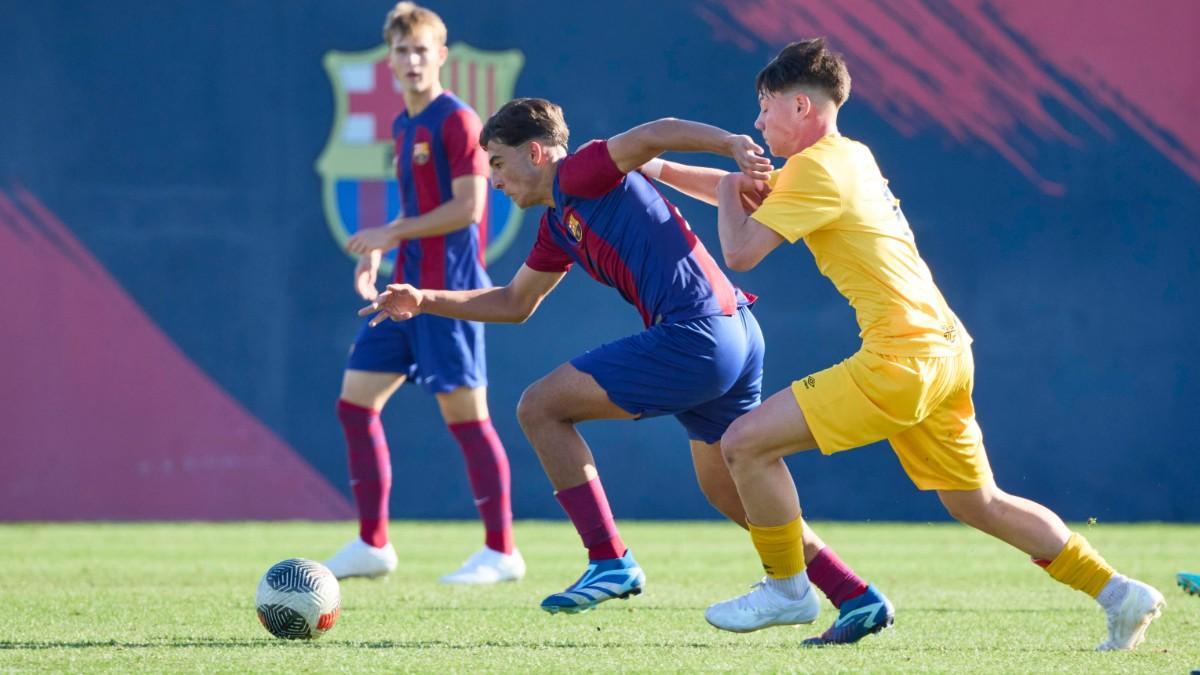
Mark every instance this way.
x=631 y=149
x=744 y=240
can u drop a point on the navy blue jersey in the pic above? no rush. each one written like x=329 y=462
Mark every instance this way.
x=433 y=148
x=625 y=234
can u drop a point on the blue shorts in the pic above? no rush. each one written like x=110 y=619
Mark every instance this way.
x=706 y=372
x=437 y=353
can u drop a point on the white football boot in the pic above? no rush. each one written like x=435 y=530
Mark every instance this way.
x=763 y=607
x=360 y=559
x=1127 y=622
x=488 y=567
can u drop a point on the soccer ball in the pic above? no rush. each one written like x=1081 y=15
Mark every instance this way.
x=298 y=599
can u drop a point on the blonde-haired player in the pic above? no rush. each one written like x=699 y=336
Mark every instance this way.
x=442 y=176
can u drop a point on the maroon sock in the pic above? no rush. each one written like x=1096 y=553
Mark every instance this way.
x=370 y=469
x=836 y=580
x=487 y=468
x=587 y=507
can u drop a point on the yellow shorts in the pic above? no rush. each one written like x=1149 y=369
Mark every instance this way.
x=921 y=405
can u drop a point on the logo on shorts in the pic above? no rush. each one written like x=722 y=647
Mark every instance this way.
x=809 y=382
x=420 y=152
x=950 y=332
x=357 y=166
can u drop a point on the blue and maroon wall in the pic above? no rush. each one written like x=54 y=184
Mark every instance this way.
x=176 y=309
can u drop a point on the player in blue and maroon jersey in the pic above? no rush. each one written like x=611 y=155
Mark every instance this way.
x=443 y=192
x=699 y=357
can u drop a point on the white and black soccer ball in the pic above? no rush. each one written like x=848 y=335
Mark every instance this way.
x=298 y=599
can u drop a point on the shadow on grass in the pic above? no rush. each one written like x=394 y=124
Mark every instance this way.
x=117 y=644
x=331 y=644
x=421 y=645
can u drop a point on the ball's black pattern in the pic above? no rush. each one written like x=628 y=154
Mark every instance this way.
x=294 y=575
x=298 y=599
x=284 y=622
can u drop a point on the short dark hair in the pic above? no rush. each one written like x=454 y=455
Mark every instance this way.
x=525 y=119
x=808 y=63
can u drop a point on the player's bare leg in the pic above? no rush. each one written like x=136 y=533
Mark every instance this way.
x=363 y=395
x=753 y=449
x=465 y=412
x=1025 y=524
x=548 y=412
x=715 y=482
x=370 y=389
x=718 y=487
x=1130 y=605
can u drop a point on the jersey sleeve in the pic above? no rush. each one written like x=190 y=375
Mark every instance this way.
x=590 y=172
x=460 y=138
x=546 y=255
x=804 y=198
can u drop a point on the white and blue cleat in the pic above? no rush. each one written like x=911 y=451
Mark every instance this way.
x=858 y=617
x=603 y=580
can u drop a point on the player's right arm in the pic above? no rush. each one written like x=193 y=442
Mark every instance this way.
x=744 y=240
x=797 y=200
x=513 y=303
x=468 y=191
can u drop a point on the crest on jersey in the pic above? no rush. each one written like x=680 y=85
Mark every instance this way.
x=574 y=227
x=357 y=166
x=420 y=152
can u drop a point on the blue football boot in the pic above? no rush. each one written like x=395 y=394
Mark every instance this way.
x=1189 y=582
x=603 y=580
x=858 y=617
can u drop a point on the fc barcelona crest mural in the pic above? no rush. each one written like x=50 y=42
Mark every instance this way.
x=357 y=166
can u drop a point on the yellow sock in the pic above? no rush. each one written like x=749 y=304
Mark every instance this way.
x=780 y=547
x=1079 y=566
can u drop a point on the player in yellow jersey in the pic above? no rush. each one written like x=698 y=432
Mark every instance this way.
x=911 y=381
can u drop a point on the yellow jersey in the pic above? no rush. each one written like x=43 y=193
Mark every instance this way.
x=833 y=196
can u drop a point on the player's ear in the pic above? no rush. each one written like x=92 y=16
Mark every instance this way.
x=536 y=152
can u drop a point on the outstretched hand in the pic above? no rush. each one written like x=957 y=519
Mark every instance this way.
x=400 y=302
x=749 y=157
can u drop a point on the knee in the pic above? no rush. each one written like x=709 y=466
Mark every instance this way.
x=534 y=407
x=737 y=444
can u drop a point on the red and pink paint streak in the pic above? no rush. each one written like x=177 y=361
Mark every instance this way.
x=106 y=418
x=990 y=71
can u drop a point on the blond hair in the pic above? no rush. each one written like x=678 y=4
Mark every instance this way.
x=407 y=17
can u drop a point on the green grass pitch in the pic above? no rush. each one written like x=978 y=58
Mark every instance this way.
x=180 y=597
